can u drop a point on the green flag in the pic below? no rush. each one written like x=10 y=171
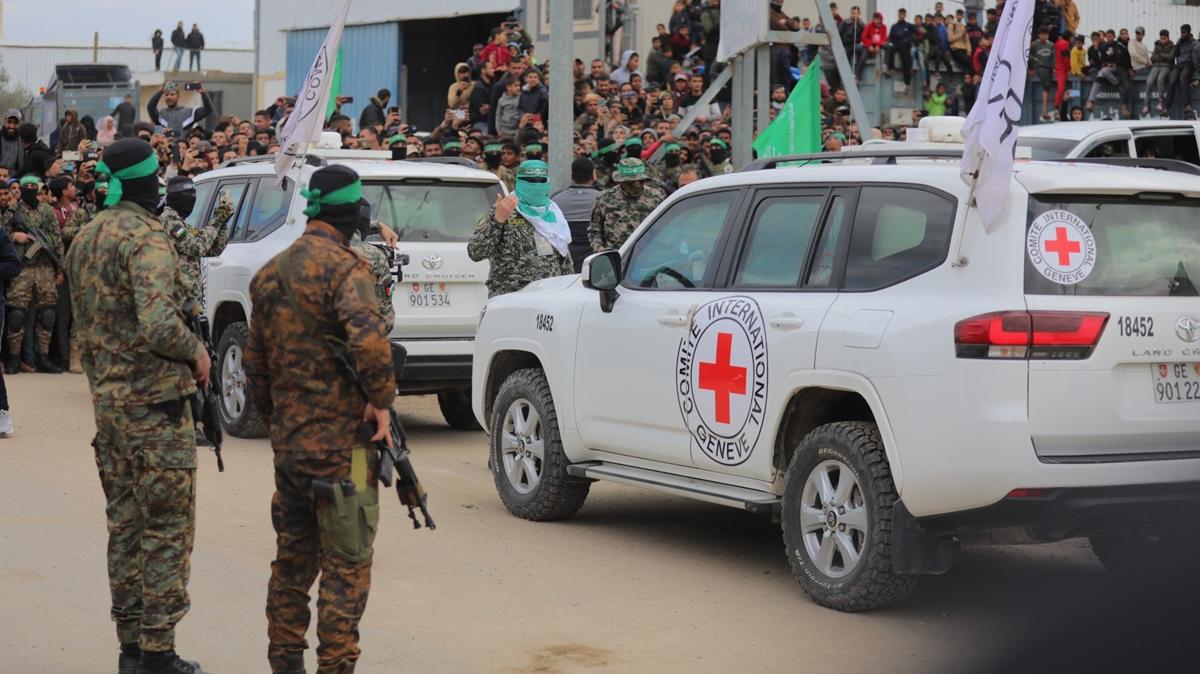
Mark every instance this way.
x=335 y=85
x=797 y=127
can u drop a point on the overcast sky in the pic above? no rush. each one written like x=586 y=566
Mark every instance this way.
x=225 y=23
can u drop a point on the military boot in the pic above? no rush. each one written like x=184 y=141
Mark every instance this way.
x=167 y=663
x=12 y=365
x=128 y=662
x=45 y=365
x=294 y=663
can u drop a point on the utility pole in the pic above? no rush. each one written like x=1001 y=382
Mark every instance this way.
x=96 y=47
x=562 y=81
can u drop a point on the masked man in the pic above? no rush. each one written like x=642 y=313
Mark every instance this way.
x=525 y=235
x=34 y=230
x=194 y=243
x=621 y=208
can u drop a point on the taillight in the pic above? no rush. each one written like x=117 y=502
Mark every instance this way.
x=1040 y=335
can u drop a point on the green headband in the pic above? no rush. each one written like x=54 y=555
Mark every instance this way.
x=142 y=169
x=632 y=171
x=348 y=194
x=671 y=147
x=606 y=149
x=29 y=180
x=634 y=140
x=398 y=138
x=533 y=147
x=718 y=142
x=451 y=143
x=493 y=147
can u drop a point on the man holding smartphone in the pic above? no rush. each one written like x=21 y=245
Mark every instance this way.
x=175 y=116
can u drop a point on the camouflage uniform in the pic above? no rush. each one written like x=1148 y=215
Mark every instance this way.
x=617 y=214
x=506 y=176
x=193 y=244
x=135 y=349
x=512 y=249
x=384 y=281
x=34 y=290
x=314 y=412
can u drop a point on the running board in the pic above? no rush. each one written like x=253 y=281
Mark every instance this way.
x=760 y=502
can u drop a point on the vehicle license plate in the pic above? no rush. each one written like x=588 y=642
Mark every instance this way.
x=1176 y=382
x=428 y=295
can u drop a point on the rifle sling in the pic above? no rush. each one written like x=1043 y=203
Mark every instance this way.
x=358 y=456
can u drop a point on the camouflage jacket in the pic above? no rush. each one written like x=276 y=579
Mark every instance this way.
x=512 y=249
x=292 y=378
x=75 y=222
x=42 y=220
x=384 y=281
x=126 y=300
x=506 y=176
x=193 y=244
x=617 y=214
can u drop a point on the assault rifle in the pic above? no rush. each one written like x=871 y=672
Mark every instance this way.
x=394 y=464
x=209 y=415
x=39 y=240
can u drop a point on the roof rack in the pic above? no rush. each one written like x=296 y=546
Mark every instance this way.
x=310 y=159
x=1177 y=165
x=457 y=161
x=880 y=157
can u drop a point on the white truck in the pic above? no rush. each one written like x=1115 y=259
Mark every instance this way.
x=432 y=205
x=847 y=349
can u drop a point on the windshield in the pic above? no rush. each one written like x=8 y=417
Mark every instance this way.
x=1047 y=148
x=1145 y=246
x=428 y=210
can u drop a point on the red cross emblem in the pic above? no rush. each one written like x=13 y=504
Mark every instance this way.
x=1063 y=245
x=722 y=377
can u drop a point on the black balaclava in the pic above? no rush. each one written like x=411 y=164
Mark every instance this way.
x=30 y=186
x=364 y=218
x=125 y=154
x=339 y=210
x=181 y=195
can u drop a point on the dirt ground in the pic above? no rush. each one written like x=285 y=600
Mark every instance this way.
x=636 y=582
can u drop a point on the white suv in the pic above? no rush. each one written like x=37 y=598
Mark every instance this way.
x=1144 y=138
x=432 y=205
x=846 y=348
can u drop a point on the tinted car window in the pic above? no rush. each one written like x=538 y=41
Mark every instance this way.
x=203 y=192
x=676 y=250
x=779 y=241
x=898 y=232
x=236 y=190
x=268 y=210
x=821 y=275
x=431 y=210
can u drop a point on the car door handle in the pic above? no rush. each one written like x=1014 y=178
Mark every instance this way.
x=786 y=322
x=214 y=262
x=673 y=320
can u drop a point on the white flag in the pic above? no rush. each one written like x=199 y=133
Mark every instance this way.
x=991 y=128
x=307 y=120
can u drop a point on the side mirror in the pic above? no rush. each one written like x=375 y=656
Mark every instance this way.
x=602 y=272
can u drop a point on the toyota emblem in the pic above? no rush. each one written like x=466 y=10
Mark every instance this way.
x=1188 y=328
x=432 y=262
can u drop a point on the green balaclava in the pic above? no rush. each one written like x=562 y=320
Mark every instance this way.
x=132 y=169
x=333 y=196
x=533 y=185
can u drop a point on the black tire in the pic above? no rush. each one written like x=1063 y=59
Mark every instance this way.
x=249 y=423
x=556 y=495
x=869 y=583
x=1146 y=557
x=456 y=410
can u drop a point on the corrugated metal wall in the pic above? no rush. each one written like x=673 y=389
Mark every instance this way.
x=1154 y=15
x=370 y=61
x=33 y=66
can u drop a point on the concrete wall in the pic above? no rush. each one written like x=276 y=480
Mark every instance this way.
x=33 y=66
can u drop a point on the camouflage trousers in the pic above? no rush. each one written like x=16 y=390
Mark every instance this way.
x=31 y=290
x=308 y=545
x=146 y=456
